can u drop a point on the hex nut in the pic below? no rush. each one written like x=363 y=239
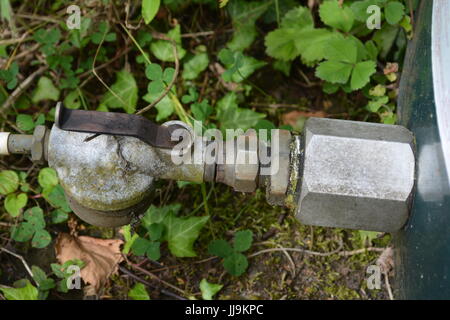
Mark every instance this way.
x=39 y=144
x=246 y=162
x=356 y=175
x=278 y=180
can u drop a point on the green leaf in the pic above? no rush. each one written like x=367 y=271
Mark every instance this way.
x=25 y=122
x=281 y=44
x=244 y=15
x=368 y=236
x=168 y=75
x=41 y=239
x=182 y=233
x=126 y=93
x=202 y=110
x=385 y=38
x=156 y=87
x=235 y=264
x=333 y=15
x=45 y=90
x=243 y=240
x=394 y=12
x=138 y=292
x=140 y=246
x=343 y=50
x=155 y=231
x=35 y=216
x=129 y=239
x=23 y=232
x=28 y=292
x=57 y=198
x=194 y=66
x=14 y=203
x=208 y=290
x=163 y=50
x=232 y=117
x=361 y=74
x=375 y=105
x=72 y=100
x=59 y=216
x=165 y=107
x=47 y=178
x=154 y=71
x=44 y=283
x=150 y=9
x=220 y=248
x=153 y=251
x=334 y=71
x=298 y=18
x=9 y=181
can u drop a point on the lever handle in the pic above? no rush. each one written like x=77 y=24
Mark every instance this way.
x=114 y=123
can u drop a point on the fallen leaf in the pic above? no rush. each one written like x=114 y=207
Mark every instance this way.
x=291 y=118
x=101 y=257
x=386 y=260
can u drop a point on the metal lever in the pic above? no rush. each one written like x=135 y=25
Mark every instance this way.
x=113 y=123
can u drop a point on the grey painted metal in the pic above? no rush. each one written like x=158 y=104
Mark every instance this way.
x=356 y=175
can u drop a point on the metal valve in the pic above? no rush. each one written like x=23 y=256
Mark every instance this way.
x=336 y=173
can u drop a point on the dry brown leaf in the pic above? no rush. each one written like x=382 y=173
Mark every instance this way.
x=291 y=118
x=101 y=257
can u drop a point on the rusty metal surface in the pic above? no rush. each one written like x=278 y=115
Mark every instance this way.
x=113 y=123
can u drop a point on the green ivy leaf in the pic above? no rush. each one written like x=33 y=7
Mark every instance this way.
x=150 y=9
x=14 y=203
x=232 y=117
x=138 y=292
x=126 y=89
x=182 y=233
x=361 y=74
x=235 y=264
x=202 y=110
x=244 y=15
x=153 y=251
x=243 y=240
x=333 y=15
x=208 y=290
x=394 y=12
x=195 y=65
x=163 y=50
x=9 y=181
x=155 y=231
x=45 y=90
x=28 y=292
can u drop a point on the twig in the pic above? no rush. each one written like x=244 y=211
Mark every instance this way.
x=148 y=284
x=23 y=261
x=388 y=286
x=22 y=86
x=148 y=273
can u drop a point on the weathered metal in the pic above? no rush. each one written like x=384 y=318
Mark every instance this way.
x=356 y=175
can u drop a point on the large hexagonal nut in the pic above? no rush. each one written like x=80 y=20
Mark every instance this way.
x=356 y=175
x=39 y=144
x=246 y=162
